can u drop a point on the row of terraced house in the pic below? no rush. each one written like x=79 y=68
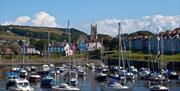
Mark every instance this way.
x=169 y=42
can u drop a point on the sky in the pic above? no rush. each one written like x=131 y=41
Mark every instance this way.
x=133 y=14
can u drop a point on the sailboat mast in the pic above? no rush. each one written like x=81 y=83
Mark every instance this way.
x=70 y=63
x=27 y=56
x=162 y=53
x=158 y=49
x=48 y=47
x=172 y=52
x=119 y=46
x=102 y=59
x=149 y=51
x=69 y=33
x=129 y=51
x=12 y=58
x=24 y=50
x=45 y=54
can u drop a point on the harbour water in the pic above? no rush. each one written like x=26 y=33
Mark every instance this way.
x=88 y=83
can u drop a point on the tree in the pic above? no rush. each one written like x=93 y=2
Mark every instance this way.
x=2 y=48
x=33 y=41
x=40 y=45
x=15 y=48
x=114 y=44
x=141 y=33
x=106 y=43
x=20 y=42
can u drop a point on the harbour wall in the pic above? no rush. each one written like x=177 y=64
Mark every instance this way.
x=138 y=64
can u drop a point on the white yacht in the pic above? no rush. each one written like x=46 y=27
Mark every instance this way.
x=71 y=78
x=122 y=72
x=45 y=68
x=144 y=73
x=33 y=68
x=158 y=88
x=15 y=69
x=23 y=73
x=80 y=71
x=21 y=85
x=60 y=69
x=92 y=66
x=130 y=75
x=156 y=77
x=33 y=77
x=173 y=75
x=114 y=86
x=64 y=87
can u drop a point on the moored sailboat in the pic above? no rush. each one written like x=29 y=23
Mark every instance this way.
x=159 y=86
x=34 y=77
x=114 y=85
x=21 y=85
x=70 y=76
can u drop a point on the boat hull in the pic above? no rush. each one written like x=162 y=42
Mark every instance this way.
x=9 y=84
x=159 y=90
x=46 y=86
x=175 y=77
x=106 y=88
x=34 y=80
x=64 y=87
x=56 y=89
x=101 y=78
x=20 y=89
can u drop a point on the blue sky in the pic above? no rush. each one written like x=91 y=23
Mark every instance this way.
x=79 y=11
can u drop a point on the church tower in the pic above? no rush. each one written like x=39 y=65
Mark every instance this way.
x=94 y=33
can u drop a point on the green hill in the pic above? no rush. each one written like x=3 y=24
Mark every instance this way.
x=140 y=33
x=13 y=32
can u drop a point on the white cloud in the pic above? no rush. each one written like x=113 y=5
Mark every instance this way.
x=22 y=20
x=44 y=19
x=39 y=19
x=151 y=23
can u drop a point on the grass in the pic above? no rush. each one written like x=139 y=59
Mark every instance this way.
x=175 y=57
x=110 y=54
x=41 y=29
x=142 y=56
x=11 y=37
